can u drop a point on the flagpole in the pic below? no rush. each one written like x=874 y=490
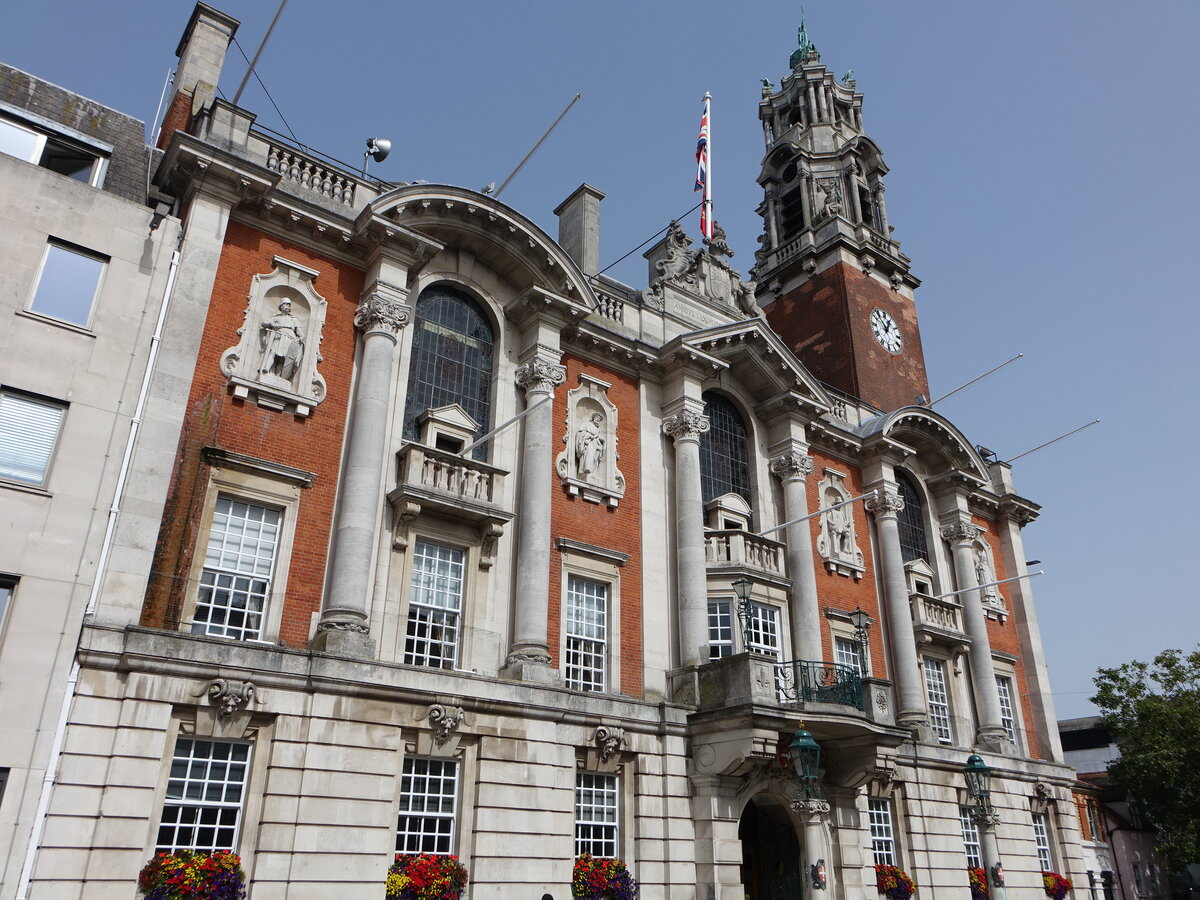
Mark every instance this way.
x=708 y=202
x=704 y=170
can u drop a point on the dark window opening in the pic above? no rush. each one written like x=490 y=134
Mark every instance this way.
x=911 y=521
x=447 y=443
x=791 y=213
x=724 y=451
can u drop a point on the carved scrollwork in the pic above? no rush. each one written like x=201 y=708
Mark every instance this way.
x=540 y=375
x=961 y=532
x=608 y=741
x=686 y=425
x=886 y=502
x=229 y=696
x=792 y=465
x=380 y=313
x=811 y=807
x=445 y=721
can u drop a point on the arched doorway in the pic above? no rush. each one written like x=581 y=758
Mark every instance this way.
x=771 y=866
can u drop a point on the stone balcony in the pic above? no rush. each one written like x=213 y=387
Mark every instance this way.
x=937 y=617
x=440 y=483
x=742 y=550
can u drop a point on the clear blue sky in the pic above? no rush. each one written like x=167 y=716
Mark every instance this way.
x=1040 y=155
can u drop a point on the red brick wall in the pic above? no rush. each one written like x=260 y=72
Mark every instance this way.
x=617 y=529
x=1003 y=637
x=826 y=323
x=214 y=418
x=842 y=591
x=177 y=118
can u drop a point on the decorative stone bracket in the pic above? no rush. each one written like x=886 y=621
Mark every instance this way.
x=228 y=714
x=605 y=754
x=443 y=736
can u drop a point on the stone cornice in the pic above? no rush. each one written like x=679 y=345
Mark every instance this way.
x=228 y=459
x=180 y=663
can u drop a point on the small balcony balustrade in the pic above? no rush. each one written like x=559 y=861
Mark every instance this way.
x=936 y=616
x=737 y=549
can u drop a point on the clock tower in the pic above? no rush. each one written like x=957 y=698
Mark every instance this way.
x=832 y=281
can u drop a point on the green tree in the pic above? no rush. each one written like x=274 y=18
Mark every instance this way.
x=1153 y=711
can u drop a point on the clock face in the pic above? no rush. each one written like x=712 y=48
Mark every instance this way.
x=886 y=331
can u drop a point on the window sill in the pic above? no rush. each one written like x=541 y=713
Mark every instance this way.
x=58 y=323
x=25 y=488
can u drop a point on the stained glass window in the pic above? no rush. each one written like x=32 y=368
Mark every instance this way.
x=452 y=359
x=724 y=450
x=911 y=521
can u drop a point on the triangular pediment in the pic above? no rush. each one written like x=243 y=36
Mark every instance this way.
x=761 y=362
x=449 y=418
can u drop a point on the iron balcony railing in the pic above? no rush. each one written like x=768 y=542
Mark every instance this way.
x=805 y=681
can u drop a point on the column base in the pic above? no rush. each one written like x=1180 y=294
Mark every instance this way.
x=530 y=666
x=995 y=742
x=344 y=642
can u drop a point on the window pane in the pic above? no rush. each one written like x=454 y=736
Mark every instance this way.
x=724 y=450
x=720 y=630
x=763 y=630
x=848 y=653
x=911 y=521
x=587 y=634
x=970 y=836
x=203 y=808
x=428 y=797
x=938 y=699
x=883 y=842
x=68 y=285
x=28 y=432
x=67 y=160
x=1041 y=839
x=452 y=356
x=595 y=814
x=434 y=606
x=1007 y=718
x=238 y=564
x=19 y=142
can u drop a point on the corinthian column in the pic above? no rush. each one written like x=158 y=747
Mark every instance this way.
x=962 y=536
x=343 y=626
x=529 y=654
x=804 y=611
x=685 y=428
x=886 y=506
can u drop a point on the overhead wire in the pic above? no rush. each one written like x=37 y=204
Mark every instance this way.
x=643 y=243
x=268 y=93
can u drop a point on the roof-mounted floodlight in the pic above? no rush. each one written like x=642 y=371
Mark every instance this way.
x=377 y=149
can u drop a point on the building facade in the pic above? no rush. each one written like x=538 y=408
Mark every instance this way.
x=84 y=268
x=461 y=547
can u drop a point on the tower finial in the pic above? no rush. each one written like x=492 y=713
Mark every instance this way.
x=806 y=50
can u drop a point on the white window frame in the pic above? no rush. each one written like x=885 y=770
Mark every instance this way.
x=941 y=710
x=764 y=628
x=1042 y=842
x=261 y=487
x=583 y=646
x=1008 y=708
x=847 y=651
x=238 y=579
x=603 y=566
x=443 y=836
x=45 y=130
x=84 y=324
x=598 y=824
x=972 y=845
x=720 y=628
x=8 y=593
x=882 y=827
x=1095 y=820
x=10 y=398
x=190 y=765
x=438 y=619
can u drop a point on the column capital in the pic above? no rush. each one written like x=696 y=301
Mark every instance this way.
x=961 y=532
x=382 y=310
x=814 y=810
x=792 y=465
x=887 y=501
x=540 y=374
x=686 y=425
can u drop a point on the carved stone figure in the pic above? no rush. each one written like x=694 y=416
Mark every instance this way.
x=830 y=201
x=282 y=341
x=718 y=245
x=837 y=543
x=984 y=573
x=837 y=522
x=589 y=446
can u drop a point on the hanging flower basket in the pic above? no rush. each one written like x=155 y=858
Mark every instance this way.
x=188 y=875
x=426 y=876
x=602 y=878
x=979 y=883
x=894 y=883
x=1057 y=886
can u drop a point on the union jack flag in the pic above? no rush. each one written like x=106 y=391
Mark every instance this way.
x=703 y=173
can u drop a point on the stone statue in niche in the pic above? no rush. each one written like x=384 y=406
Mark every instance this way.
x=587 y=465
x=589 y=446
x=985 y=572
x=274 y=363
x=838 y=544
x=282 y=340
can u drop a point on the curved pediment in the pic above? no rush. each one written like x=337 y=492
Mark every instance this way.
x=939 y=443
x=762 y=364
x=496 y=236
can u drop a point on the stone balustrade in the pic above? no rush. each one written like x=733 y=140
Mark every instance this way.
x=734 y=547
x=311 y=174
x=943 y=615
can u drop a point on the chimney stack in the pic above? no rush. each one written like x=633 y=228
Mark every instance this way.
x=579 y=227
x=201 y=53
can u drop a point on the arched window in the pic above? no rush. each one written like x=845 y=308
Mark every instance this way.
x=724 y=450
x=911 y=521
x=452 y=358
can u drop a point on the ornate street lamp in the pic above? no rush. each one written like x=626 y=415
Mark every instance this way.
x=979 y=782
x=806 y=760
x=861 y=622
x=741 y=589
